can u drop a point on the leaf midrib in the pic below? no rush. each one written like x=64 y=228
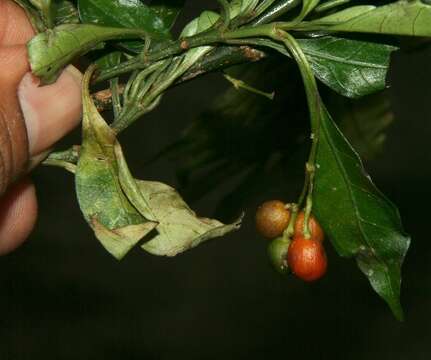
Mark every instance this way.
x=340 y=60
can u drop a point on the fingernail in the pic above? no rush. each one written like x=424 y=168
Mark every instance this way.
x=50 y=111
x=27 y=88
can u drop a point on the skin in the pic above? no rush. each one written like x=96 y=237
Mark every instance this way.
x=32 y=119
x=307 y=258
x=272 y=218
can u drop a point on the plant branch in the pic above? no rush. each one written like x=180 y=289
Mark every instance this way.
x=315 y=107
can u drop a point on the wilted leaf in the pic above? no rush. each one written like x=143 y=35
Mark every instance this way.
x=116 y=223
x=179 y=229
x=357 y=217
x=50 y=51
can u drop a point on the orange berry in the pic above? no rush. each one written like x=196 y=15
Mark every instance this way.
x=315 y=228
x=307 y=258
x=272 y=218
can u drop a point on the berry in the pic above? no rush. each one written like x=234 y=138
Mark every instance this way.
x=315 y=228
x=277 y=252
x=307 y=258
x=272 y=218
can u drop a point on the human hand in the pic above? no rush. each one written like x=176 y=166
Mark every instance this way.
x=32 y=119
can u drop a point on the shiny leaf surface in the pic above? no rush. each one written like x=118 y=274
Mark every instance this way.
x=357 y=217
x=353 y=68
x=128 y=14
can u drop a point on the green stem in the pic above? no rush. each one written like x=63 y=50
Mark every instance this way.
x=290 y=230
x=116 y=101
x=314 y=105
x=176 y=47
x=239 y=84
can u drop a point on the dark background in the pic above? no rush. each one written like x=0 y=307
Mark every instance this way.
x=63 y=297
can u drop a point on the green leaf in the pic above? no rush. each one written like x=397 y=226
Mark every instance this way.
x=357 y=217
x=50 y=51
x=353 y=68
x=45 y=8
x=124 y=13
x=168 y=10
x=307 y=7
x=202 y=23
x=346 y=14
x=65 y=12
x=403 y=17
x=116 y=223
x=240 y=8
x=109 y=60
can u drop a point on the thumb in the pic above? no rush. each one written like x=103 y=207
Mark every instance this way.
x=35 y=119
x=50 y=112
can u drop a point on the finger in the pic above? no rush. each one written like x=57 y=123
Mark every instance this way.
x=15 y=28
x=18 y=213
x=13 y=136
x=50 y=111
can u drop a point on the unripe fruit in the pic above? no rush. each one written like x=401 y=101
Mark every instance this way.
x=277 y=252
x=314 y=227
x=272 y=218
x=307 y=258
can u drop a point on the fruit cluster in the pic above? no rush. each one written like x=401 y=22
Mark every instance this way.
x=292 y=247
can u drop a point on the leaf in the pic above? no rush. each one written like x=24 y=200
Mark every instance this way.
x=357 y=217
x=240 y=8
x=116 y=223
x=403 y=17
x=109 y=60
x=179 y=229
x=50 y=51
x=65 y=12
x=307 y=7
x=168 y=10
x=45 y=8
x=346 y=14
x=202 y=23
x=353 y=68
x=127 y=14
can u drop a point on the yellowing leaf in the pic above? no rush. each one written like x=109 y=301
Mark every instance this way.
x=117 y=224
